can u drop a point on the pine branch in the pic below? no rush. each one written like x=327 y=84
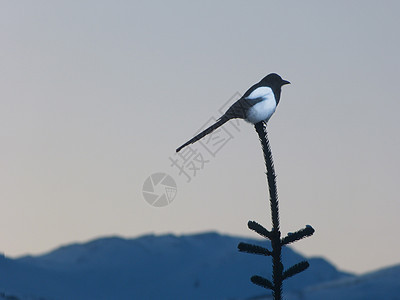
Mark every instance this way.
x=297 y=268
x=253 y=225
x=249 y=248
x=298 y=235
x=263 y=282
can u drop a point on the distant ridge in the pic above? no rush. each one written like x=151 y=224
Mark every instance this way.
x=195 y=266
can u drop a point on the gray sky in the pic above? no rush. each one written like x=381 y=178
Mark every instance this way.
x=96 y=95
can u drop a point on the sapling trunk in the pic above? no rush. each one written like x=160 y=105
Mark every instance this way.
x=277 y=267
x=278 y=273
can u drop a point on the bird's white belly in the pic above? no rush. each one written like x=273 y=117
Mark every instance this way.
x=261 y=111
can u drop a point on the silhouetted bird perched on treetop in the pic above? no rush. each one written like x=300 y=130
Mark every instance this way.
x=256 y=105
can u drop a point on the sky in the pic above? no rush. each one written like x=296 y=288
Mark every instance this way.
x=95 y=96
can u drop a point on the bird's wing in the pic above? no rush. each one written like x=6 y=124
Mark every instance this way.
x=240 y=108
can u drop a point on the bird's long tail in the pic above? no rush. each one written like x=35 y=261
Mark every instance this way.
x=210 y=129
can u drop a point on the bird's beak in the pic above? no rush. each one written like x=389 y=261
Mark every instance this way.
x=285 y=82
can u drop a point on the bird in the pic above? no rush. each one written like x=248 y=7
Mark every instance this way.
x=257 y=104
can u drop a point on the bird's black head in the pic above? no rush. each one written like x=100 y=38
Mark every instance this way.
x=275 y=82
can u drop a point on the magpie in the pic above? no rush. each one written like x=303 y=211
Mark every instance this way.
x=256 y=105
